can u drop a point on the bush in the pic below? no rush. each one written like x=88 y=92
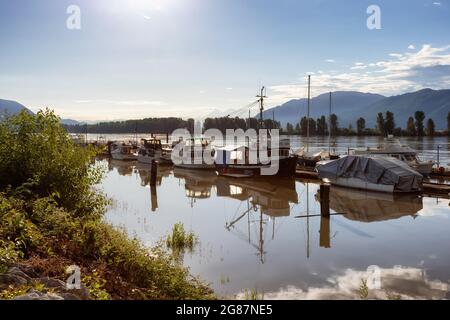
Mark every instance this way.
x=38 y=158
x=51 y=215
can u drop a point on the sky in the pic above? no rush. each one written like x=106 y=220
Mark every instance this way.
x=197 y=58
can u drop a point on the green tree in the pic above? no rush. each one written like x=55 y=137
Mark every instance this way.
x=410 y=127
x=322 y=127
x=37 y=152
x=334 y=125
x=381 y=127
x=297 y=128
x=289 y=128
x=430 y=128
x=360 y=126
x=419 y=116
x=389 y=124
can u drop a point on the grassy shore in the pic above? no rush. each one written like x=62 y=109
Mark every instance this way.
x=51 y=218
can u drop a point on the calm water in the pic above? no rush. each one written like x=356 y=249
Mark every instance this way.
x=254 y=234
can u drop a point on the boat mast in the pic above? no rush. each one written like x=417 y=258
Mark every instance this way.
x=261 y=97
x=329 y=128
x=307 y=120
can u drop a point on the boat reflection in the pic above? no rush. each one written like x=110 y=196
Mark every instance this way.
x=198 y=183
x=373 y=206
x=266 y=200
x=123 y=168
x=144 y=171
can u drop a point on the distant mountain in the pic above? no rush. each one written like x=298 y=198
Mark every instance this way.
x=435 y=104
x=293 y=110
x=350 y=105
x=71 y=122
x=11 y=107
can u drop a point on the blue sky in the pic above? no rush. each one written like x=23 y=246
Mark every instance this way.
x=193 y=58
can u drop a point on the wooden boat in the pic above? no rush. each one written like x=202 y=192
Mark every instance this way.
x=122 y=151
x=153 y=149
x=235 y=161
x=190 y=154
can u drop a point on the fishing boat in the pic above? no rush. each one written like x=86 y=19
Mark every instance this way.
x=190 y=154
x=122 y=151
x=235 y=161
x=393 y=148
x=241 y=161
x=382 y=174
x=154 y=149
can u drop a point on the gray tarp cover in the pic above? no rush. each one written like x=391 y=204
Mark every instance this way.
x=388 y=171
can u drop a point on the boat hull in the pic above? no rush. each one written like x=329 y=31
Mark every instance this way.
x=287 y=167
x=193 y=166
x=149 y=159
x=356 y=183
x=123 y=157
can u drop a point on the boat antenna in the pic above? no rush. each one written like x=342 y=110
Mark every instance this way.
x=261 y=97
x=307 y=118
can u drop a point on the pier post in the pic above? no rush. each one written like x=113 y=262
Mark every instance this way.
x=438 y=162
x=325 y=216
x=153 y=197
x=154 y=173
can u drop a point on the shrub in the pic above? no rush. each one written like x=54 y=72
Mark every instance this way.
x=37 y=157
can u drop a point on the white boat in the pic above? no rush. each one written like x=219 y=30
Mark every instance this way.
x=153 y=149
x=235 y=161
x=122 y=151
x=393 y=148
x=382 y=174
x=190 y=154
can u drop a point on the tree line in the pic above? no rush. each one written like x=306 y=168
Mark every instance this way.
x=385 y=125
x=148 y=125
x=416 y=126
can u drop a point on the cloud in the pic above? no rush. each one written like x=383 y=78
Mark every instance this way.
x=330 y=60
x=408 y=282
x=398 y=73
x=229 y=88
x=438 y=4
x=411 y=47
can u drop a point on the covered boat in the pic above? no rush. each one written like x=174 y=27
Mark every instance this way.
x=366 y=173
x=393 y=148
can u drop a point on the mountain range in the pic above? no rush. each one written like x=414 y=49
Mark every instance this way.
x=9 y=107
x=350 y=105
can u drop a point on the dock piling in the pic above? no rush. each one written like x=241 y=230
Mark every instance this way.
x=154 y=173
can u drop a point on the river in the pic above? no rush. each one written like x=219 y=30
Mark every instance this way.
x=270 y=237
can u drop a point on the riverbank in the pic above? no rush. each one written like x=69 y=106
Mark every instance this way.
x=51 y=217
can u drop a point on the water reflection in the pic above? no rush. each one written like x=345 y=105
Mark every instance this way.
x=373 y=206
x=412 y=282
x=250 y=231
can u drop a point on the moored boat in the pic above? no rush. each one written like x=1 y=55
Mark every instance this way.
x=393 y=148
x=153 y=149
x=192 y=154
x=366 y=173
x=122 y=151
x=236 y=161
